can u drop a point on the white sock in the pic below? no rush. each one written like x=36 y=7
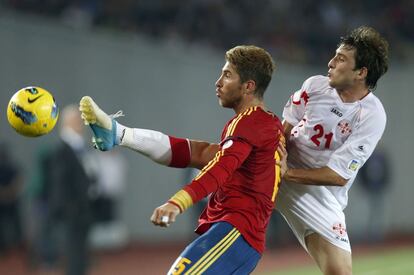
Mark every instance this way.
x=150 y=143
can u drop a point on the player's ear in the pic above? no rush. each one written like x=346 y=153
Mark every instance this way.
x=362 y=73
x=250 y=86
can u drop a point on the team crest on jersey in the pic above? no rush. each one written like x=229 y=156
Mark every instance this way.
x=344 y=127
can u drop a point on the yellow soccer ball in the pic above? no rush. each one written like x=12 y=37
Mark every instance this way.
x=32 y=112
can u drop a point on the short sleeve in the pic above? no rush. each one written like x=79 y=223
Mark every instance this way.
x=348 y=158
x=294 y=109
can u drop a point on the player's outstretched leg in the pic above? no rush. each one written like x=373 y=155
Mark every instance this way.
x=102 y=125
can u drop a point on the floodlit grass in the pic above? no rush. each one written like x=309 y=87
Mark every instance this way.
x=397 y=262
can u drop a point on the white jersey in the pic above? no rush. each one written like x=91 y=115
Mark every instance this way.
x=326 y=132
x=329 y=132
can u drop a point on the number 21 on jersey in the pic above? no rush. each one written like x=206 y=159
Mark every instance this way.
x=321 y=137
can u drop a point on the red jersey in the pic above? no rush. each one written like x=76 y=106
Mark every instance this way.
x=242 y=178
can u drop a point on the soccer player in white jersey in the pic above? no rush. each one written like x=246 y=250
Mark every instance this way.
x=332 y=125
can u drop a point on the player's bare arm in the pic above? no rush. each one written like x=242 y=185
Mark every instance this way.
x=287 y=127
x=202 y=152
x=282 y=162
x=315 y=176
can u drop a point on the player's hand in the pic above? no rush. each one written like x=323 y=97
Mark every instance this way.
x=283 y=154
x=165 y=214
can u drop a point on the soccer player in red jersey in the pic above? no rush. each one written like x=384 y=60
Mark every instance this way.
x=242 y=178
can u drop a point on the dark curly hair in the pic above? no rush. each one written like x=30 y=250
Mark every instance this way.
x=371 y=52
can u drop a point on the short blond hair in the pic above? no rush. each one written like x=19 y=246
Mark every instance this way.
x=252 y=63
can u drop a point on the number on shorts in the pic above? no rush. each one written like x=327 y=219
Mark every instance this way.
x=181 y=265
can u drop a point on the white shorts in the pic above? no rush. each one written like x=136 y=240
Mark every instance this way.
x=310 y=209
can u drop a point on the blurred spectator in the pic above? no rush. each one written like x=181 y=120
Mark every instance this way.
x=110 y=185
x=375 y=176
x=108 y=231
x=10 y=191
x=44 y=248
x=295 y=33
x=72 y=175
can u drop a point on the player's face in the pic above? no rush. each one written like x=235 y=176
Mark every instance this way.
x=229 y=87
x=341 y=73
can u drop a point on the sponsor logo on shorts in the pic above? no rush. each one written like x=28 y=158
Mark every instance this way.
x=345 y=240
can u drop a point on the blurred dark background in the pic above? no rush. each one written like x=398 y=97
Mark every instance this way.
x=298 y=32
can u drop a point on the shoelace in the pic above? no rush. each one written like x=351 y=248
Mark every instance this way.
x=117 y=114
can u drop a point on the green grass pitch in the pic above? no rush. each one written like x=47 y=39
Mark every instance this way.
x=396 y=262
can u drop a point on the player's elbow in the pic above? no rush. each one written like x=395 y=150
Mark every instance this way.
x=340 y=181
x=333 y=177
x=201 y=153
